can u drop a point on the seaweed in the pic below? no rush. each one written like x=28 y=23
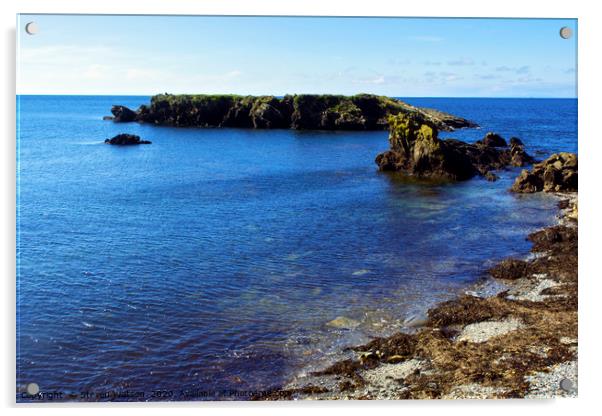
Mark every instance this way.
x=509 y=269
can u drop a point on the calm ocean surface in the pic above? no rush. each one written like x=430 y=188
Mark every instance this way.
x=213 y=258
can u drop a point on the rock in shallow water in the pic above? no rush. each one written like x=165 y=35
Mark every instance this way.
x=122 y=114
x=416 y=150
x=493 y=140
x=558 y=173
x=126 y=139
x=343 y=322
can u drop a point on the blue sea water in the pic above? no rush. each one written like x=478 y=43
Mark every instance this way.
x=213 y=259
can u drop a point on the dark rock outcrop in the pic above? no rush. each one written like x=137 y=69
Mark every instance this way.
x=515 y=141
x=270 y=113
x=416 y=150
x=493 y=140
x=558 y=173
x=122 y=114
x=518 y=155
x=126 y=139
x=303 y=111
x=557 y=237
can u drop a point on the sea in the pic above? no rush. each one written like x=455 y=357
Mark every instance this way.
x=210 y=264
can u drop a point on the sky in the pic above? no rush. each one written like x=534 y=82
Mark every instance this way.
x=400 y=57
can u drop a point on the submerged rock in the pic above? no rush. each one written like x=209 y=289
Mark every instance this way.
x=342 y=322
x=126 y=139
x=558 y=173
x=122 y=114
x=416 y=150
x=303 y=111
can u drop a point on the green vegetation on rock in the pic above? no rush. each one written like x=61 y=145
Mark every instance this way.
x=416 y=150
x=302 y=111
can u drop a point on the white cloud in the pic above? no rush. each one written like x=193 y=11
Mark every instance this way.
x=441 y=77
x=528 y=80
x=233 y=74
x=461 y=62
x=77 y=69
x=378 y=80
x=487 y=76
x=398 y=61
x=134 y=74
x=96 y=71
x=524 y=69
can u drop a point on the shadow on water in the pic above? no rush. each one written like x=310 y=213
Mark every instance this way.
x=427 y=185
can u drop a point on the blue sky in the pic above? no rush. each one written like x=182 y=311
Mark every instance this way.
x=277 y=55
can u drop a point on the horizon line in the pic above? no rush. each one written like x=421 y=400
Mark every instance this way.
x=276 y=95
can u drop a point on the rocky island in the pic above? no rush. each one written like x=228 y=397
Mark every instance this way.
x=302 y=112
x=124 y=139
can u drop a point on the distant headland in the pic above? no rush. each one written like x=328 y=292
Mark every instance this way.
x=300 y=112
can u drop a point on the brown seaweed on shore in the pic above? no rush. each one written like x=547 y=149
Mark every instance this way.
x=509 y=269
x=401 y=344
x=347 y=368
x=464 y=310
x=501 y=362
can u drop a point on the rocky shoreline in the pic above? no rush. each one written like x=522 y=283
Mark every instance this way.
x=518 y=342
x=300 y=112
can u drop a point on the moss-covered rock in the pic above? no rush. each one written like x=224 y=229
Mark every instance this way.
x=270 y=112
x=415 y=149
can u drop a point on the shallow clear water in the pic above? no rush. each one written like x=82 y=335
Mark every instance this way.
x=213 y=258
